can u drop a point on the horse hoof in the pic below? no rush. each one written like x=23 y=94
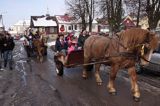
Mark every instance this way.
x=99 y=83
x=84 y=76
x=136 y=99
x=113 y=93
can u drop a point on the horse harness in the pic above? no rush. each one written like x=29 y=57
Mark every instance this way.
x=142 y=46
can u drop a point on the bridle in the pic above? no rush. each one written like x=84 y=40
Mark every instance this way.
x=130 y=54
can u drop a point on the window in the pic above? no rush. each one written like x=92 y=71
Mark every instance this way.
x=72 y=27
x=52 y=30
x=75 y=27
x=69 y=28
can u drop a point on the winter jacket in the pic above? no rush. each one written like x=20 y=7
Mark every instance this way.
x=8 y=44
x=81 y=40
x=1 y=44
x=59 y=46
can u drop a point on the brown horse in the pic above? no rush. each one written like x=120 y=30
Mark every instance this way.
x=121 y=51
x=39 y=49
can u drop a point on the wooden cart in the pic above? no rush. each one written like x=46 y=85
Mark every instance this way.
x=74 y=59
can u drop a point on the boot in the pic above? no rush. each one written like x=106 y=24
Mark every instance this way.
x=5 y=64
x=10 y=65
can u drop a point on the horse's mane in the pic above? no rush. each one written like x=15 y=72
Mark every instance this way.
x=134 y=36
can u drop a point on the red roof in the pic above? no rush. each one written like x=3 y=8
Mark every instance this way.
x=65 y=18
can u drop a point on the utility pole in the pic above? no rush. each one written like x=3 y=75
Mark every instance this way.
x=1 y=23
x=1 y=20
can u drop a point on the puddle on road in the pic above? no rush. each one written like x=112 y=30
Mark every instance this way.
x=20 y=53
x=20 y=61
x=20 y=67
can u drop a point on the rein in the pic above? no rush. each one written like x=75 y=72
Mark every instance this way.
x=128 y=54
x=127 y=48
x=148 y=61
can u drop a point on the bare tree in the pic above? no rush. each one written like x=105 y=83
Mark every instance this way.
x=90 y=9
x=151 y=8
x=112 y=9
x=77 y=9
x=83 y=9
x=153 y=12
x=136 y=8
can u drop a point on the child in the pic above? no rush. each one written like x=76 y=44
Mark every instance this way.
x=72 y=46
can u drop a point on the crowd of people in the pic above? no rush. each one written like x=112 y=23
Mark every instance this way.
x=33 y=36
x=6 y=47
x=69 y=43
x=64 y=44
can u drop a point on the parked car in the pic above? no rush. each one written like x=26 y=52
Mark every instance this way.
x=154 y=64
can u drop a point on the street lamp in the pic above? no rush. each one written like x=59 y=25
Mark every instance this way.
x=1 y=20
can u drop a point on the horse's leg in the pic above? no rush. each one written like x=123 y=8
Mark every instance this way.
x=41 y=59
x=134 y=85
x=41 y=55
x=112 y=76
x=98 y=78
x=84 y=73
x=38 y=57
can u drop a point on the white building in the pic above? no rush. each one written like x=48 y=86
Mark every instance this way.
x=70 y=24
x=19 y=27
x=67 y=23
x=46 y=23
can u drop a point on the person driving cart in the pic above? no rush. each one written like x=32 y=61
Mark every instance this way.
x=82 y=37
x=61 y=45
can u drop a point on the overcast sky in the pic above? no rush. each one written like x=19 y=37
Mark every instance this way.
x=14 y=10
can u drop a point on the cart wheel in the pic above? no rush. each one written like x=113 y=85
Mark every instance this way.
x=89 y=67
x=59 y=68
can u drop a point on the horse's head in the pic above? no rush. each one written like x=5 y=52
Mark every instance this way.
x=149 y=45
x=140 y=42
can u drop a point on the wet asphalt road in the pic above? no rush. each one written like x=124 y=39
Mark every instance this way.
x=31 y=83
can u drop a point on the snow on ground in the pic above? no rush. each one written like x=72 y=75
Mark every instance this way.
x=51 y=43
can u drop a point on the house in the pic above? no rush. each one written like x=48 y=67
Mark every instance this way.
x=46 y=23
x=19 y=27
x=94 y=25
x=103 y=25
x=68 y=23
x=144 y=23
x=128 y=22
